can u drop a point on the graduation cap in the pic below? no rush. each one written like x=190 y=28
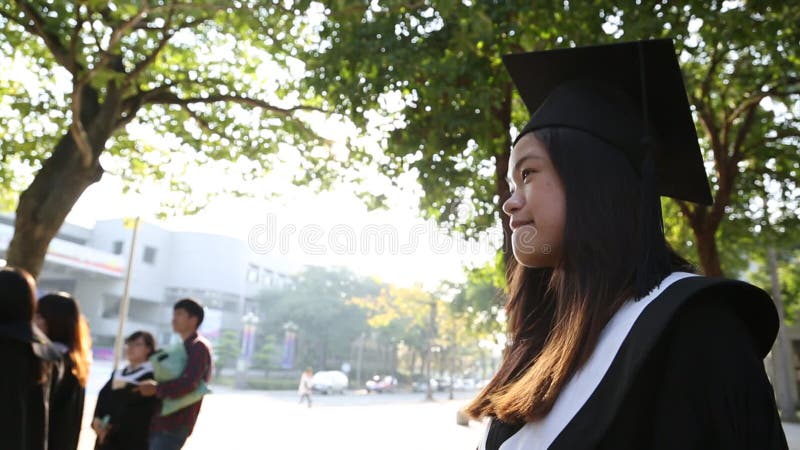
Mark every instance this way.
x=629 y=95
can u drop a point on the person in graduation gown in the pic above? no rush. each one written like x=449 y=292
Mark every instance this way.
x=58 y=315
x=614 y=341
x=122 y=417
x=30 y=361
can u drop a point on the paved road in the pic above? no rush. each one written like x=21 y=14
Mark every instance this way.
x=234 y=420
x=244 y=420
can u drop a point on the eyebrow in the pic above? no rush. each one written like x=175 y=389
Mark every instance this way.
x=521 y=160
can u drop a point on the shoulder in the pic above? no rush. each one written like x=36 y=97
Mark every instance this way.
x=705 y=307
x=199 y=344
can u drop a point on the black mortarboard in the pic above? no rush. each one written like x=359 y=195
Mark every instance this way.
x=627 y=94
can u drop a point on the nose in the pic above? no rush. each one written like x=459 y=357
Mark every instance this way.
x=513 y=203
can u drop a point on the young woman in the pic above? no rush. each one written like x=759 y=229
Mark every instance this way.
x=613 y=342
x=60 y=318
x=29 y=359
x=122 y=416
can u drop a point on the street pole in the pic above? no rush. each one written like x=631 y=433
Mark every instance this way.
x=359 y=359
x=429 y=348
x=429 y=390
x=123 y=307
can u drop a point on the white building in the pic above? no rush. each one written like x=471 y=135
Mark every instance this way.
x=223 y=273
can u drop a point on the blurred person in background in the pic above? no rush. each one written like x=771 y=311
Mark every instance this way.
x=170 y=431
x=58 y=315
x=122 y=416
x=306 y=384
x=30 y=359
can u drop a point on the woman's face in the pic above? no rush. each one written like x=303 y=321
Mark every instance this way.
x=136 y=351
x=537 y=206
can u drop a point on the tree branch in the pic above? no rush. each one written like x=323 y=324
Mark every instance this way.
x=36 y=26
x=79 y=134
x=203 y=123
x=161 y=96
x=75 y=36
x=118 y=33
x=707 y=122
x=705 y=86
x=741 y=133
x=167 y=35
x=179 y=6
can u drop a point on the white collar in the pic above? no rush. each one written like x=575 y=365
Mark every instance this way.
x=133 y=377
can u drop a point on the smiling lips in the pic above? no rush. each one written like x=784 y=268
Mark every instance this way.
x=515 y=224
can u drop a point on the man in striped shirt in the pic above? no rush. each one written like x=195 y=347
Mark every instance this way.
x=171 y=431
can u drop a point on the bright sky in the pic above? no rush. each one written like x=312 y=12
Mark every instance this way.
x=331 y=228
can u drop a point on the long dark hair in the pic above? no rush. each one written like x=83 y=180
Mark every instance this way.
x=17 y=295
x=555 y=316
x=17 y=304
x=66 y=325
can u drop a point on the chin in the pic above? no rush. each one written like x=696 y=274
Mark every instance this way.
x=535 y=260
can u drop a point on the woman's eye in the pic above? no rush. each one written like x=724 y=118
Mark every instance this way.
x=525 y=172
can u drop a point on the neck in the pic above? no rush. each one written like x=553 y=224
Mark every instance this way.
x=135 y=364
x=185 y=335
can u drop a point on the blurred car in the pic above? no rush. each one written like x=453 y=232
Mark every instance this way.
x=442 y=384
x=381 y=384
x=329 y=382
x=419 y=385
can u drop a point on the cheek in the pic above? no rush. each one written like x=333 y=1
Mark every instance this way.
x=551 y=211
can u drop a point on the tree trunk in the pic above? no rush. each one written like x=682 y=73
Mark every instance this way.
x=502 y=114
x=708 y=253
x=46 y=202
x=62 y=180
x=782 y=360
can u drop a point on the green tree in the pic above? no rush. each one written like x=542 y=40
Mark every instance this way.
x=317 y=303
x=481 y=298
x=266 y=355
x=226 y=350
x=435 y=69
x=214 y=77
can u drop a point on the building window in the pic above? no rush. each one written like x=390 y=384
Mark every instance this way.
x=116 y=247
x=252 y=273
x=149 y=255
x=110 y=307
x=266 y=277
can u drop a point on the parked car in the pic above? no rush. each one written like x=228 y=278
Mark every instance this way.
x=381 y=384
x=443 y=384
x=419 y=385
x=329 y=382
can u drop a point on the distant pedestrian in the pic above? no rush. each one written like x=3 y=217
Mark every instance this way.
x=305 y=387
x=122 y=416
x=30 y=359
x=58 y=315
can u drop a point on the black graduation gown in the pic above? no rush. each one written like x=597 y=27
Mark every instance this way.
x=689 y=375
x=66 y=410
x=24 y=393
x=129 y=412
